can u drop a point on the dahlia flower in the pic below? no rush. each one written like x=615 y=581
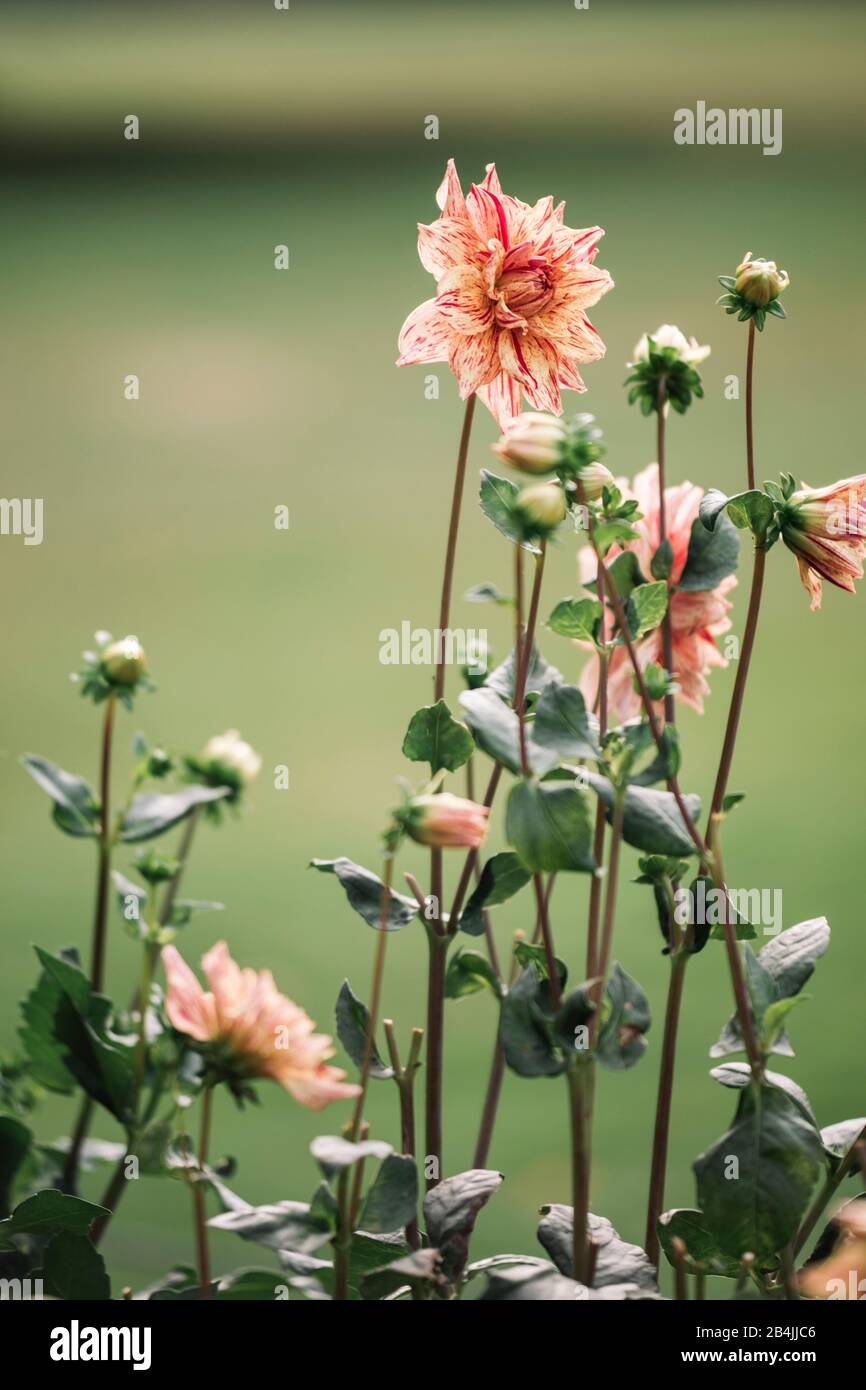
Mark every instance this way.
x=688 y=350
x=826 y=530
x=696 y=618
x=512 y=287
x=254 y=1030
x=842 y=1275
x=233 y=753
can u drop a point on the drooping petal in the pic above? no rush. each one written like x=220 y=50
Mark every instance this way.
x=425 y=336
x=184 y=998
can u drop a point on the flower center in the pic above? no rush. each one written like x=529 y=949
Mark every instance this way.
x=526 y=292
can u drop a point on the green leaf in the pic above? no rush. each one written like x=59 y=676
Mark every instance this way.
x=577 y=618
x=74 y=1269
x=751 y=510
x=100 y=1060
x=531 y=1282
x=333 y=1153
x=299 y=1226
x=526 y=953
x=755 y=1182
x=46 y=1211
x=46 y=1053
x=662 y=561
x=353 y=1020
x=450 y=1211
x=651 y=819
x=791 y=956
x=562 y=724
x=364 y=892
x=435 y=737
x=497 y=732
x=550 y=826
x=152 y=813
x=76 y=808
x=621 y=1040
x=711 y=506
x=498 y=496
x=624 y=571
x=737 y=1075
x=712 y=556
x=469 y=972
x=525 y=1031
x=420 y=1270
x=15 y=1142
x=646 y=608
x=538 y=673
x=779 y=971
x=837 y=1139
x=701 y=1245
x=616 y=1261
x=488 y=593
x=773 y=1021
x=502 y=876
x=393 y=1198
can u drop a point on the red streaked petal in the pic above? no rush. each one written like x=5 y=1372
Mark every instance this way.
x=474 y=361
x=533 y=362
x=425 y=336
x=502 y=398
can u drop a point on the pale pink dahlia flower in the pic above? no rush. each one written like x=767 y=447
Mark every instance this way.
x=697 y=619
x=512 y=287
x=257 y=1030
x=826 y=530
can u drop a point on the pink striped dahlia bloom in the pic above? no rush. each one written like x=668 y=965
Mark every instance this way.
x=825 y=528
x=255 y=1030
x=513 y=284
x=697 y=619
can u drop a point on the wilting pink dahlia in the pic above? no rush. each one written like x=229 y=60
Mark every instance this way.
x=826 y=530
x=257 y=1032
x=696 y=618
x=512 y=287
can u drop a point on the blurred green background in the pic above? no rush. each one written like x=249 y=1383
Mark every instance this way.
x=261 y=388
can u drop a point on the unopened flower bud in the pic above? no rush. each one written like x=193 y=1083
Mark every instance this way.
x=446 y=821
x=154 y=867
x=233 y=753
x=542 y=506
x=759 y=281
x=124 y=662
x=532 y=442
x=592 y=480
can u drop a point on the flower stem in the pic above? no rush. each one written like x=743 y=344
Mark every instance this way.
x=667 y=638
x=69 y=1179
x=435 y=930
x=658 y=1169
x=183 y=853
x=736 y=707
x=451 y=548
x=580 y=1075
x=750 y=443
x=97 y=960
x=405 y=1081
x=375 y=994
x=198 y=1199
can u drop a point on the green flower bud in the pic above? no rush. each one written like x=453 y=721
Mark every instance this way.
x=592 y=479
x=154 y=867
x=759 y=281
x=124 y=662
x=541 y=506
